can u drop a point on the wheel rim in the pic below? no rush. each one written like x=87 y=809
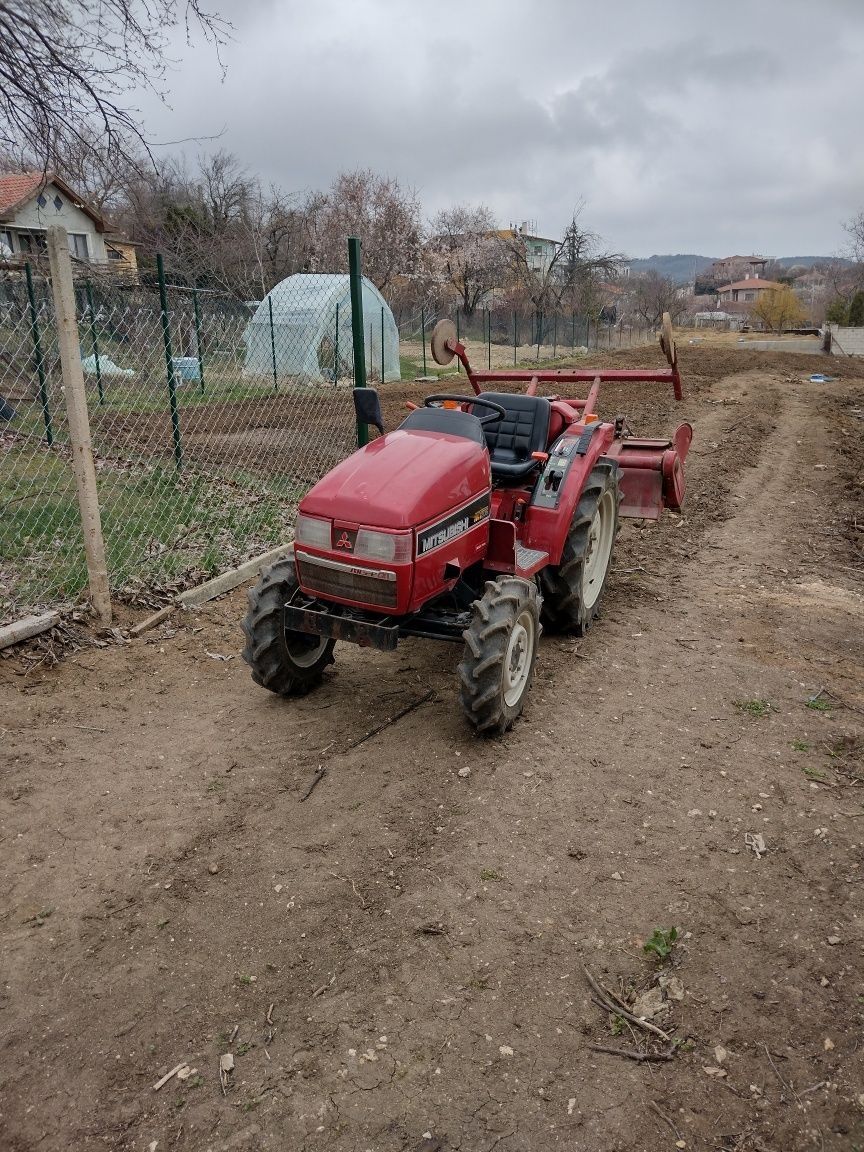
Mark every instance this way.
x=518 y=658
x=600 y=536
x=303 y=650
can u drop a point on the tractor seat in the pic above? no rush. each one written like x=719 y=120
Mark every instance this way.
x=525 y=429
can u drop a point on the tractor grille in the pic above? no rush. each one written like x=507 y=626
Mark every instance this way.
x=328 y=578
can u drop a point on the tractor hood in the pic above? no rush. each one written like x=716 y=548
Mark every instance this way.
x=401 y=480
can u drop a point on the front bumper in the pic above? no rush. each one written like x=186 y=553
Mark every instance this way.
x=349 y=628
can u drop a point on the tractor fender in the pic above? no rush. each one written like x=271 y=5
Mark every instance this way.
x=548 y=517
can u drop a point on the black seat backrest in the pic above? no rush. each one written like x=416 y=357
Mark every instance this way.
x=453 y=421
x=525 y=429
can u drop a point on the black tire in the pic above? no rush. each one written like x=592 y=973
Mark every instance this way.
x=489 y=698
x=569 y=604
x=289 y=664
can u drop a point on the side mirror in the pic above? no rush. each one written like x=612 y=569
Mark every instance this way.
x=367 y=405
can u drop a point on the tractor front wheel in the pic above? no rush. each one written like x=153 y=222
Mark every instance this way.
x=500 y=648
x=572 y=590
x=287 y=663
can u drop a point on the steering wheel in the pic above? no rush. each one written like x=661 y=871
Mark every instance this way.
x=497 y=413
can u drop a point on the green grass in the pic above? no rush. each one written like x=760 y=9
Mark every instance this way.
x=800 y=746
x=753 y=707
x=820 y=704
x=158 y=526
x=412 y=366
x=814 y=774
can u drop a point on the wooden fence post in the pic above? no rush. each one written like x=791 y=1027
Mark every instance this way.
x=79 y=423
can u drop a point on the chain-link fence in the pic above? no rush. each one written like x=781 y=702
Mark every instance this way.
x=504 y=336
x=209 y=418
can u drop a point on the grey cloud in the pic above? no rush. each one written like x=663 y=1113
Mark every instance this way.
x=683 y=128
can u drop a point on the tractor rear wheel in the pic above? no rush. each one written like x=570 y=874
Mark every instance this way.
x=572 y=590
x=287 y=663
x=500 y=648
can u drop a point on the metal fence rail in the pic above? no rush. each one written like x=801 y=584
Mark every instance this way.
x=505 y=336
x=207 y=426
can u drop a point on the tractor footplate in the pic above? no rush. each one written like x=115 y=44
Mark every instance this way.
x=348 y=628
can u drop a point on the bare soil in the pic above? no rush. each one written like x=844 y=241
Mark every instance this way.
x=421 y=936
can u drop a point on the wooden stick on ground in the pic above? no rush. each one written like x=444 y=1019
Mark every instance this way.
x=320 y=773
x=655 y=1108
x=391 y=720
x=322 y=769
x=788 y=1087
x=26 y=627
x=639 y=1057
x=168 y=1076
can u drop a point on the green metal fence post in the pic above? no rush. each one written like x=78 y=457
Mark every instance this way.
x=515 y=334
x=538 y=330
x=39 y=358
x=488 y=339
x=198 y=339
x=169 y=363
x=272 y=343
x=356 y=281
x=336 y=351
x=382 y=345
x=458 y=338
x=573 y=333
x=423 y=336
x=555 y=337
x=95 y=342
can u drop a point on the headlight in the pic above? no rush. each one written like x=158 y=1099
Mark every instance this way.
x=310 y=530
x=393 y=547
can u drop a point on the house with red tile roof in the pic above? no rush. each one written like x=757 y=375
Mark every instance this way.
x=746 y=291
x=31 y=202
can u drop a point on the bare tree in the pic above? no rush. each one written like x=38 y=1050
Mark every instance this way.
x=66 y=68
x=100 y=168
x=381 y=212
x=217 y=227
x=571 y=273
x=653 y=295
x=466 y=253
x=855 y=230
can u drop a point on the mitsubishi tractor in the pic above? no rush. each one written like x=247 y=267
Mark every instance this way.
x=482 y=519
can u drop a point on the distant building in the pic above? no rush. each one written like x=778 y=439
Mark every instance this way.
x=746 y=291
x=31 y=202
x=732 y=268
x=539 y=250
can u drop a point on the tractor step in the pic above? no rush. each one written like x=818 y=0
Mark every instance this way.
x=529 y=560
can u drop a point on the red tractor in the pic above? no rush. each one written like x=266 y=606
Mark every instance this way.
x=480 y=519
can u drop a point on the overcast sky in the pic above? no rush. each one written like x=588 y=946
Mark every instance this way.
x=684 y=127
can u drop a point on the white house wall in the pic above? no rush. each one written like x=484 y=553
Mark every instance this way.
x=31 y=216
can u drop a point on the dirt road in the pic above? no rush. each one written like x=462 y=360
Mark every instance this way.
x=418 y=936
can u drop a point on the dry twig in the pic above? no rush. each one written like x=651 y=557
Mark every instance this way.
x=316 y=779
x=656 y=1109
x=611 y=1003
x=639 y=1057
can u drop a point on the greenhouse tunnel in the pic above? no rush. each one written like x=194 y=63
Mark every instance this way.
x=303 y=340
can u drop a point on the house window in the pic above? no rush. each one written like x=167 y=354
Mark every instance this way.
x=5 y=242
x=32 y=242
x=78 y=246
x=58 y=203
x=113 y=254
x=40 y=200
